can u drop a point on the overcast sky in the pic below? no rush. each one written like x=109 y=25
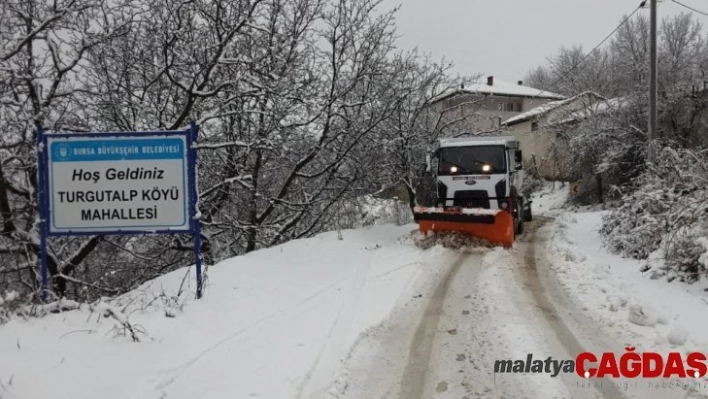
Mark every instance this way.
x=506 y=38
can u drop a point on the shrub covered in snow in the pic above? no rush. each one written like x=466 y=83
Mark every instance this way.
x=8 y=302
x=369 y=211
x=532 y=183
x=665 y=220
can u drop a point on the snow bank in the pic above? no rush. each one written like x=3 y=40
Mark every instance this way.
x=664 y=221
x=641 y=311
x=551 y=199
x=272 y=324
x=452 y=240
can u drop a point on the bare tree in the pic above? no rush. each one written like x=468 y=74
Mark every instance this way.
x=43 y=47
x=293 y=99
x=681 y=48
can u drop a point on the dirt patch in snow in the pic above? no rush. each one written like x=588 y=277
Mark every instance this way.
x=451 y=240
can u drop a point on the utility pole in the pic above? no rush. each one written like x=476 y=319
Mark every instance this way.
x=653 y=83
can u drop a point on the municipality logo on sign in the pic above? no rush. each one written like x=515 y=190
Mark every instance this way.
x=62 y=151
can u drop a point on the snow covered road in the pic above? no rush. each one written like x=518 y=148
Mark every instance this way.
x=483 y=306
x=364 y=315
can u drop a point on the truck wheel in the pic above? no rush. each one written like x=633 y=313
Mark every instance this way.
x=519 y=218
x=520 y=227
x=527 y=214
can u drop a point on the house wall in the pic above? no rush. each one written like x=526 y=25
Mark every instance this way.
x=484 y=112
x=543 y=150
x=534 y=146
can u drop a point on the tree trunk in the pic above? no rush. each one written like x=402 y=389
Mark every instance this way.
x=600 y=195
x=252 y=231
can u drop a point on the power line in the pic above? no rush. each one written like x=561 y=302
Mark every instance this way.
x=691 y=8
x=594 y=49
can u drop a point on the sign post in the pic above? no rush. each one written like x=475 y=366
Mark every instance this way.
x=118 y=183
x=194 y=208
x=43 y=218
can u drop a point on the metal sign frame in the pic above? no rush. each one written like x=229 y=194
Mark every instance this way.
x=192 y=195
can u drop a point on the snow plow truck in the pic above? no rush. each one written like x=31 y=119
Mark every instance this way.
x=476 y=191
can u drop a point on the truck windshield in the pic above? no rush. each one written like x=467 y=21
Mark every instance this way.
x=475 y=160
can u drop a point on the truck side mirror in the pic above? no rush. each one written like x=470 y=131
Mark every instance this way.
x=518 y=159
x=428 y=162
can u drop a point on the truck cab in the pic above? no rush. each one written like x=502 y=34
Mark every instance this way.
x=480 y=173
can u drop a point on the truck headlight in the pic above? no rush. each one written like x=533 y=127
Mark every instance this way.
x=486 y=168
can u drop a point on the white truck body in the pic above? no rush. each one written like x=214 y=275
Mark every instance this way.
x=476 y=172
x=480 y=173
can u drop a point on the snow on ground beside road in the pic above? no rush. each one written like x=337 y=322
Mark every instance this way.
x=609 y=290
x=273 y=324
x=550 y=200
x=282 y=322
x=649 y=313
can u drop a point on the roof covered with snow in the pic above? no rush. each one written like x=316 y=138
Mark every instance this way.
x=598 y=108
x=501 y=88
x=548 y=107
x=473 y=141
x=535 y=112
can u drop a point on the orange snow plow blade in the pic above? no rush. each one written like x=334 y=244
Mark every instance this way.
x=495 y=226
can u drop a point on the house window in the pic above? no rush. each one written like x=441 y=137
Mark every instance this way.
x=507 y=107
x=534 y=126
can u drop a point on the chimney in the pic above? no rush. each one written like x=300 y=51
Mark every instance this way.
x=521 y=82
x=490 y=81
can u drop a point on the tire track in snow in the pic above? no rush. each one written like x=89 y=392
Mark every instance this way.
x=383 y=274
x=563 y=334
x=566 y=316
x=409 y=352
x=416 y=370
x=321 y=375
x=179 y=370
